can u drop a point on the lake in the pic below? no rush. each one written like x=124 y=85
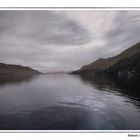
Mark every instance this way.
x=67 y=102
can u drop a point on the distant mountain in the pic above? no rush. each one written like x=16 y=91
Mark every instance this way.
x=127 y=68
x=9 y=69
x=125 y=64
x=16 y=73
x=58 y=72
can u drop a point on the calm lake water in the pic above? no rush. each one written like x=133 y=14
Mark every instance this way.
x=67 y=102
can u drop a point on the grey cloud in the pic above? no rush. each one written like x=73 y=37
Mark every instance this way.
x=34 y=38
x=53 y=41
x=125 y=30
x=46 y=27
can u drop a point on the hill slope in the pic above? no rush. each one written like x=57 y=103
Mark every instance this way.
x=128 y=61
x=9 y=69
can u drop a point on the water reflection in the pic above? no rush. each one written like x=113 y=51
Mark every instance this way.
x=52 y=117
x=128 y=88
x=67 y=102
x=15 y=79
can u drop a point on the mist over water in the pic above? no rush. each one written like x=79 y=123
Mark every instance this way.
x=67 y=102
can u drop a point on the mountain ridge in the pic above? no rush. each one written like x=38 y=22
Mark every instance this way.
x=124 y=61
x=8 y=69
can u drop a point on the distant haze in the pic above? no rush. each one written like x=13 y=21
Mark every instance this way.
x=65 y=40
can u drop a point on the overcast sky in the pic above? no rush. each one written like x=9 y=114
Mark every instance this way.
x=65 y=40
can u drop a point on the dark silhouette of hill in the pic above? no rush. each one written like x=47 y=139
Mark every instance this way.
x=15 y=73
x=124 y=65
x=16 y=69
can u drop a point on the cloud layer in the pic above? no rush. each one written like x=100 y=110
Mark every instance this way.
x=65 y=40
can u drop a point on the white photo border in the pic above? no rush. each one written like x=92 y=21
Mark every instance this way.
x=70 y=8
